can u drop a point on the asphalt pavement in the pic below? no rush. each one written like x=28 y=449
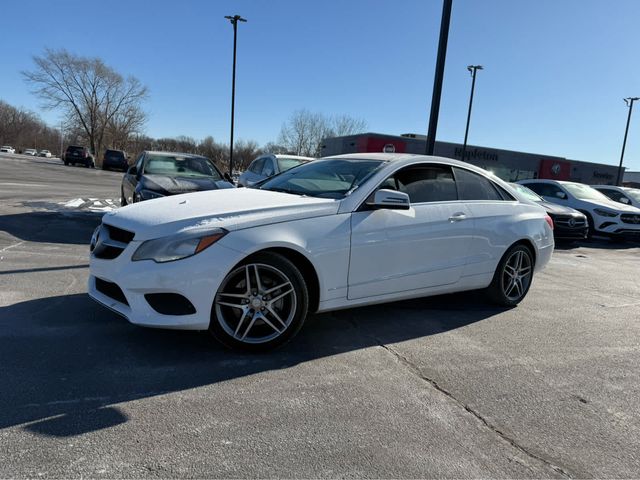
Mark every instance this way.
x=447 y=386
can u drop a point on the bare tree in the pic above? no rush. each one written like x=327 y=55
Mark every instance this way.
x=304 y=131
x=24 y=129
x=342 y=125
x=91 y=93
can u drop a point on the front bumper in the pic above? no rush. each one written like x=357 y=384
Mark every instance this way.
x=616 y=228
x=196 y=278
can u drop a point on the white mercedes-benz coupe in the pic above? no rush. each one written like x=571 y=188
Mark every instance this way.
x=250 y=264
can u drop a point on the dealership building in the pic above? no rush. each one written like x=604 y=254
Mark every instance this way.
x=506 y=164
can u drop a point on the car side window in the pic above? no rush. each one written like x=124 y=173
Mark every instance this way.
x=268 y=169
x=256 y=166
x=613 y=194
x=424 y=183
x=473 y=186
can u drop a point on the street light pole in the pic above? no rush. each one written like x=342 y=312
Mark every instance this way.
x=472 y=69
x=439 y=76
x=629 y=101
x=234 y=21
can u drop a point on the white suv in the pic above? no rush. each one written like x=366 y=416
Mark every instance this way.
x=7 y=149
x=605 y=216
x=625 y=195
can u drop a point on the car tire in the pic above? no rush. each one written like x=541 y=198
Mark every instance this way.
x=513 y=276
x=260 y=305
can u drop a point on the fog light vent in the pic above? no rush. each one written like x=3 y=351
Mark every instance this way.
x=170 y=304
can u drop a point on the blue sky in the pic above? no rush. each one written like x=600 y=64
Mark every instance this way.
x=555 y=70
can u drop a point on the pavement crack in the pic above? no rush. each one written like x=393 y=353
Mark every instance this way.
x=415 y=370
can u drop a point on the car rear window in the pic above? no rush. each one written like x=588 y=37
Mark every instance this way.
x=114 y=154
x=180 y=166
x=75 y=149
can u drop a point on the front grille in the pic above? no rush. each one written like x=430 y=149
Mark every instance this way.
x=120 y=235
x=566 y=221
x=110 y=242
x=111 y=290
x=632 y=218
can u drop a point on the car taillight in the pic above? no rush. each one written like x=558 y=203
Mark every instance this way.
x=549 y=221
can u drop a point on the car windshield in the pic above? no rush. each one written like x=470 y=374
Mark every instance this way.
x=180 y=166
x=285 y=163
x=333 y=178
x=526 y=192
x=634 y=193
x=585 y=192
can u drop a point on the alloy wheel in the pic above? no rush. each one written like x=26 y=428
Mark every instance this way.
x=256 y=303
x=516 y=275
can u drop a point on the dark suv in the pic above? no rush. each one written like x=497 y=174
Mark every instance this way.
x=115 y=159
x=75 y=154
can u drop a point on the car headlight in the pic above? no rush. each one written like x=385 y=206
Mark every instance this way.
x=148 y=194
x=177 y=247
x=605 y=213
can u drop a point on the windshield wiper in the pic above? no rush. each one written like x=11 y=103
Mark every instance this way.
x=285 y=190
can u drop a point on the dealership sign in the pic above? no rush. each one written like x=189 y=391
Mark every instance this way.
x=475 y=154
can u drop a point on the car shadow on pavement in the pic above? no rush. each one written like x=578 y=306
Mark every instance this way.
x=599 y=242
x=67 y=363
x=52 y=227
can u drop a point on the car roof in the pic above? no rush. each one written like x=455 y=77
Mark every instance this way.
x=173 y=154
x=296 y=157
x=397 y=157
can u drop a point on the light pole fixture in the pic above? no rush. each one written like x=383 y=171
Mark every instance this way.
x=439 y=76
x=629 y=101
x=234 y=21
x=472 y=70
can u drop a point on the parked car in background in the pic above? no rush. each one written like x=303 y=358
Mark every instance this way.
x=605 y=216
x=45 y=153
x=31 y=152
x=7 y=149
x=266 y=166
x=625 y=195
x=568 y=223
x=115 y=159
x=160 y=174
x=76 y=154
x=338 y=232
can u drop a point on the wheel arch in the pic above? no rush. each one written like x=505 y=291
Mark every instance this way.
x=527 y=243
x=302 y=262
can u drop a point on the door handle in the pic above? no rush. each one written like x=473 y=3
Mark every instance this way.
x=457 y=217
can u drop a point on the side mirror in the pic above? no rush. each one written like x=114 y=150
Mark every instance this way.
x=132 y=170
x=561 y=195
x=624 y=200
x=389 y=199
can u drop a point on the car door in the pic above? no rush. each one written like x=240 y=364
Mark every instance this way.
x=404 y=250
x=494 y=212
x=130 y=179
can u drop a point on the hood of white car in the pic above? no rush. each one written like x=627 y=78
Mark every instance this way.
x=232 y=209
